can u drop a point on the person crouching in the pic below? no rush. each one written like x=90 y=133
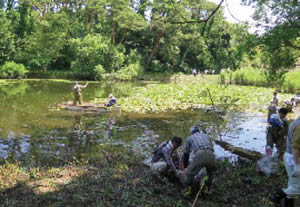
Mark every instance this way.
x=162 y=161
x=198 y=154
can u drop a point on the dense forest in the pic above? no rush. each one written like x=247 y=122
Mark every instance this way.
x=122 y=39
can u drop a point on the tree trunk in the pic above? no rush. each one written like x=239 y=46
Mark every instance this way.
x=123 y=37
x=154 y=49
x=113 y=33
x=86 y=23
x=44 y=67
x=251 y=155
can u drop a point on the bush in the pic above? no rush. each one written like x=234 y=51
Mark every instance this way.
x=12 y=70
x=291 y=82
x=250 y=76
x=94 y=50
x=99 y=72
x=129 y=72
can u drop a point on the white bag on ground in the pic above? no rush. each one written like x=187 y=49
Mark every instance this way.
x=268 y=165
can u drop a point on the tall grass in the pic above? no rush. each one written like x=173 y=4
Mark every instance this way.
x=258 y=77
x=245 y=76
x=292 y=82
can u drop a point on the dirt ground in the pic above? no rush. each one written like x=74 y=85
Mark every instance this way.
x=119 y=179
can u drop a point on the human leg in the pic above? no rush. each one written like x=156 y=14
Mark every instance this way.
x=80 y=99
x=159 y=168
x=270 y=139
x=203 y=158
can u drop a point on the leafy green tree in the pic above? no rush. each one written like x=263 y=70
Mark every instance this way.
x=7 y=40
x=280 y=42
x=44 y=45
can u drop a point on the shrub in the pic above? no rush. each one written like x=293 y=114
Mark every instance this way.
x=94 y=50
x=99 y=72
x=129 y=72
x=250 y=76
x=12 y=70
x=291 y=81
x=222 y=78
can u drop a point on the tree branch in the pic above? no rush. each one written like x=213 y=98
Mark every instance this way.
x=201 y=20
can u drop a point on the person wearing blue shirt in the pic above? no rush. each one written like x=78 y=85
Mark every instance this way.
x=277 y=130
x=112 y=101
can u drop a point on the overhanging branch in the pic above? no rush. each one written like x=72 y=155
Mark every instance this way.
x=201 y=20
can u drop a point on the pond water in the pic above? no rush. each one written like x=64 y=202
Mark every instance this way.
x=34 y=131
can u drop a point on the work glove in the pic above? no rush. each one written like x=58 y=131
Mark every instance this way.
x=296 y=171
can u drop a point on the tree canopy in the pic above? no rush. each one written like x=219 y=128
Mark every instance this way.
x=101 y=37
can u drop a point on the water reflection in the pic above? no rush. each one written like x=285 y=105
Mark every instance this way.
x=31 y=131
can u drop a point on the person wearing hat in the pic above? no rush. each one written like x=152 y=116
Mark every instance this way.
x=77 y=92
x=112 y=101
x=198 y=154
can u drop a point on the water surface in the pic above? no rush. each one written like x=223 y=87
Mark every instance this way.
x=34 y=131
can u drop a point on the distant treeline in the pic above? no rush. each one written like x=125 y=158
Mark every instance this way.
x=121 y=39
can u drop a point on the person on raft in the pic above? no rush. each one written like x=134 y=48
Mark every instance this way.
x=112 y=101
x=77 y=92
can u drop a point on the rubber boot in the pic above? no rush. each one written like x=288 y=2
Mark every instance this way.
x=289 y=202
x=279 y=198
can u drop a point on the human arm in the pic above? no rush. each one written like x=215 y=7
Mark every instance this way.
x=87 y=83
x=167 y=155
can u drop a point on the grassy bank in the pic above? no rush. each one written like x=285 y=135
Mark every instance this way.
x=117 y=178
x=258 y=77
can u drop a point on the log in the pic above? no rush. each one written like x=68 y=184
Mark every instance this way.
x=249 y=154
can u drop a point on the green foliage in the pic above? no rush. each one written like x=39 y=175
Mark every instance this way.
x=99 y=72
x=7 y=40
x=129 y=72
x=291 y=82
x=94 y=50
x=261 y=77
x=250 y=76
x=192 y=94
x=12 y=70
x=43 y=46
x=278 y=47
x=172 y=36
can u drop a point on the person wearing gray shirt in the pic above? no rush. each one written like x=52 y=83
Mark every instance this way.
x=198 y=154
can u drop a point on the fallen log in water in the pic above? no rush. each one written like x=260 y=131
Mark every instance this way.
x=250 y=154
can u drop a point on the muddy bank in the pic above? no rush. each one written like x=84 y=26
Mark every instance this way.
x=117 y=178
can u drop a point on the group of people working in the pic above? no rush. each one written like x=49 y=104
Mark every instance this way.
x=198 y=154
x=285 y=136
x=277 y=128
x=76 y=89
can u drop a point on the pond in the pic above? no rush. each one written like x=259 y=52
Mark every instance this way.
x=34 y=131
